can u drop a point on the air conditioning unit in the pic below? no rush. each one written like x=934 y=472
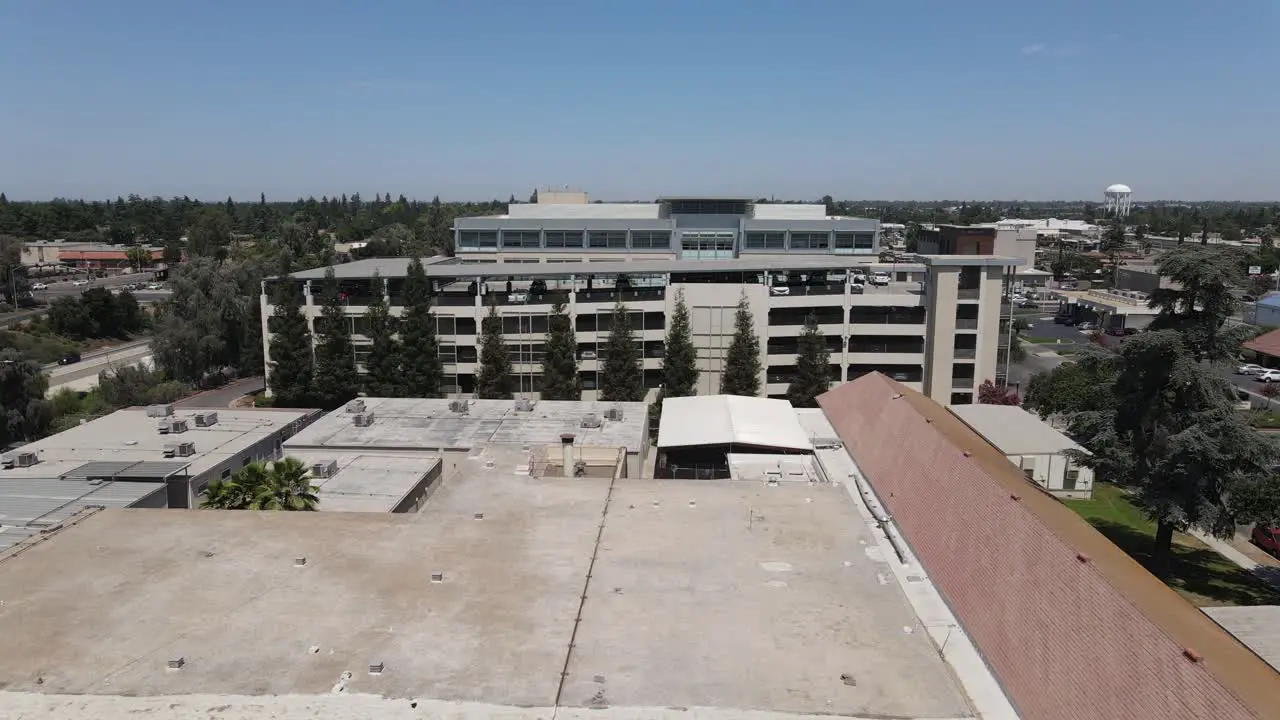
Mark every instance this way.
x=364 y=419
x=22 y=459
x=325 y=469
x=162 y=427
x=524 y=405
x=182 y=449
x=177 y=425
x=159 y=410
x=206 y=419
x=613 y=413
x=459 y=406
x=355 y=406
x=591 y=420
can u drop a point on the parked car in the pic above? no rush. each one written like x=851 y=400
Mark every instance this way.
x=1269 y=376
x=80 y=283
x=1244 y=401
x=880 y=278
x=1130 y=331
x=857 y=288
x=1085 y=326
x=1067 y=286
x=1028 y=303
x=1267 y=538
x=39 y=286
x=1064 y=320
x=1249 y=369
x=779 y=290
x=588 y=355
x=69 y=359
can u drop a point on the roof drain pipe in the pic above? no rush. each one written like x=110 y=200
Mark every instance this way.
x=881 y=517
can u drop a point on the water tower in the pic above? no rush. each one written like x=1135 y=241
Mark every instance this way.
x=1119 y=199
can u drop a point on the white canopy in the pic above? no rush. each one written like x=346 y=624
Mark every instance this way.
x=731 y=420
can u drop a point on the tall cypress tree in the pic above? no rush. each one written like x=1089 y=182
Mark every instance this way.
x=813 y=375
x=560 y=362
x=420 y=371
x=493 y=382
x=335 y=372
x=291 y=377
x=622 y=379
x=742 y=358
x=382 y=368
x=679 y=361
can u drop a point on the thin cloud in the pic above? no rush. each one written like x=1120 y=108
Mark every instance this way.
x=1047 y=50
x=1035 y=49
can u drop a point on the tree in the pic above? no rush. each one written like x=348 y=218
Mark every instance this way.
x=210 y=233
x=210 y=322
x=382 y=376
x=742 y=357
x=291 y=379
x=335 y=364
x=493 y=381
x=991 y=394
x=24 y=412
x=138 y=257
x=560 y=379
x=1199 y=300
x=813 y=372
x=281 y=485
x=622 y=379
x=420 y=352
x=1113 y=243
x=679 y=361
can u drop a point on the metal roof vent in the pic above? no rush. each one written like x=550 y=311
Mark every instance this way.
x=325 y=469
x=459 y=406
x=160 y=410
x=376 y=668
x=524 y=405
x=364 y=419
x=591 y=420
x=614 y=413
x=437 y=577
x=355 y=406
x=206 y=419
x=299 y=561
x=177 y=663
x=478 y=516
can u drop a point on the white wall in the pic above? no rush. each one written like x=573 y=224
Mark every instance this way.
x=1050 y=472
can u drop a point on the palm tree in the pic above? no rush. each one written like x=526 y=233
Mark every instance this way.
x=287 y=486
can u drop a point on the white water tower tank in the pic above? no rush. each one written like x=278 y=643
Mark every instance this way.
x=1118 y=199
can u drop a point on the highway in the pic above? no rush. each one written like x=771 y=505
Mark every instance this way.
x=83 y=376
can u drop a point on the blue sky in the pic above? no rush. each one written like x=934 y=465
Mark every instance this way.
x=910 y=99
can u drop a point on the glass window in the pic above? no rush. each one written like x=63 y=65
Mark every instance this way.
x=607 y=239
x=765 y=241
x=521 y=238
x=473 y=239
x=844 y=241
x=864 y=241
x=810 y=240
x=564 y=239
x=650 y=239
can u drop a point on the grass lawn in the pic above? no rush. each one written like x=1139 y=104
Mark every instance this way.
x=1196 y=572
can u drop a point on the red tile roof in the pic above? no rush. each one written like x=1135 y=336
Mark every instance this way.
x=101 y=255
x=1266 y=344
x=1071 y=627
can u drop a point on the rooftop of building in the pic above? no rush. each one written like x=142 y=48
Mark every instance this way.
x=1022 y=573
x=730 y=420
x=1258 y=627
x=1013 y=430
x=701 y=594
x=130 y=436
x=31 y=505
x=1267 y=343
x=366 y=482
x=398 y=267
x=423 y=424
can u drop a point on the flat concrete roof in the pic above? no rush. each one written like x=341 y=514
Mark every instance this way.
x=1258 y=627
x=366 y=482
x=130 y=436
x=30 y=504
x=730 y=420
x=1014 y=431
x=429 y=425
x=703 y=594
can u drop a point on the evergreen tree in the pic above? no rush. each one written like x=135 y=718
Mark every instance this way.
x=493 y=382
x=291 y=378
x=622 y=379
x=420 y=371
x=742 y=358
x=813 y=375
x=679 y=363
x=560 y=362
x=335 y=370
x=382 y=367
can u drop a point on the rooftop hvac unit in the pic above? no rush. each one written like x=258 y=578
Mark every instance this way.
x=177 y=425
x=355 y=406
x=162 y=427
x=524 y=405
x=613 y=413
x=24 y=459
x=591 y=420
x=459 y=406
x=325 y=469
x=182 y=449
x=364 y=419
x=159 y=410
x=206 y=419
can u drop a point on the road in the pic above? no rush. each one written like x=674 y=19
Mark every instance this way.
x=67 y=288
x=83 y=376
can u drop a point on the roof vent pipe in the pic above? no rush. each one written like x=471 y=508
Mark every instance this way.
x=566 y=454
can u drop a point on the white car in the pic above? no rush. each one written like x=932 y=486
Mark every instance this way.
x=779 y=290
x=880 y=278
x=80 y=283
x=1269 y=376
x=1249 y=369
x=1086 y=327
x=39 y=286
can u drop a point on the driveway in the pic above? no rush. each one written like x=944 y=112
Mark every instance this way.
x=223 y=397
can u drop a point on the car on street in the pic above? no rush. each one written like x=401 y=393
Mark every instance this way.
x=80 y=283
x=1086 y=326
x=880 y=278
x=1249 y=369
x=779 y=290
x=1028 y=303
x=39 y=286
x=1064 y=320
x=154 y=286
x=1268 y=376
x=1267 y=538
x=69 y=359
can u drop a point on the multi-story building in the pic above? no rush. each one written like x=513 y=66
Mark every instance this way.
x=936 y=323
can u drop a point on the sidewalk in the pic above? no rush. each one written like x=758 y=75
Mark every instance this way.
x=1268 y=570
